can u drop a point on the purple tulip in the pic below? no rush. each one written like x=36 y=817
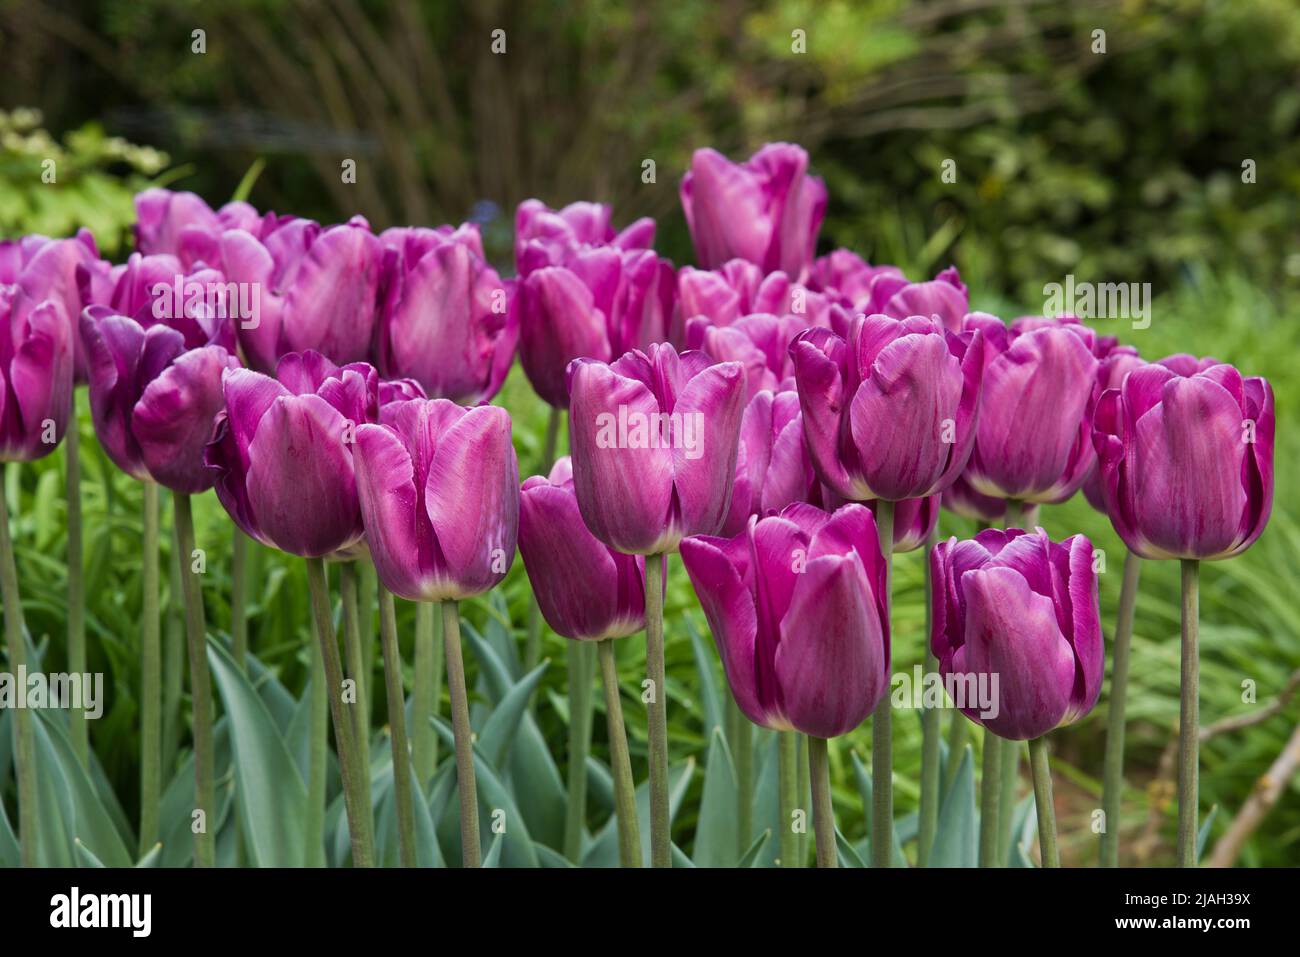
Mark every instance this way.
x=914 y=521
x=960 y=499
x=1018 y=608
x=1040 y=386
x=153 y=400
x=848 y=279
x=181 y=224
x=890 y=413
x=945 y=298
x=739 y=288
x=36 y=361
x=772 y=465
x=316 y=288
x=760 y=343
x=607 y=600
x=1115 y=363
x=282 y=452
x=798 y=608
x=767 y=210
x=439 y=488
x=654 y=440
x=157 y=290
x=1186 y=459
x=68 y=271
x=549 y=237
x=446 y=319
x=599 y=304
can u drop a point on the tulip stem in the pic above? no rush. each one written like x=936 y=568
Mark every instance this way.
x=620 y=762
x=580 y=682
x=355 y=776
x=397 y=728
x=930 y=733
x=823 y=811
x=1015 y=513
x=238 y=595
x=958 y=737
x=744 y=749
x=426 y=691
x=882 y=735
x=77 y=728
x=150 y=675
x=463 y=735
x=317 y=760
x=787 y=758
x=657 y=712
x=200 y=684
x=533 y=643
x=990 y=792
x=1043 y=802
x=1009 y=774
x=804 y=790
x=1189 y=716
x=24 y=732
x=1113 y=774
x=360 y=706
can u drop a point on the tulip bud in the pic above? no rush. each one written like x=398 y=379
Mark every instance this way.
x=798 y=608
x=654 y=445
x=607 y=600
x=439 y=488
x=890 y=413
x=1018 y=609
x=36 y=368
x=1186 y=459
x=767 y=210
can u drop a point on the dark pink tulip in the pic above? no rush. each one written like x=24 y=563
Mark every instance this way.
x=439 y=487
x=848 y=279
x=548 y=237
x=767 y=210
x=960 y=499
x=944 y=297
x=446 y=319
x=68 y=271
x=914 y=520
x=1186 y=459
x=1018 y=606
x=654 y=445
x=317 y=288
x=772 y=465
x=798 y=609
x=399 y=390
x=760 y=342
x=739 y=288
x=36 y=358
x=1040 y=386
x=183 y=225
x=607 y=600
x=891 y=411
x=282 y=452
x=602 y=302
x=1116 y=362
x=158 y=290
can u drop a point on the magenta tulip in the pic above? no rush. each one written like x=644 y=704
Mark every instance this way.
x=944 y=298
x=183 y=225
x=915 y=520
x=798 y=609
x=654 y=440
x=739 y=288
x=157 y=290
x=767 y=210
x=1186 y=459
x=549 y=237
x=960 y=499
x=759 y=342
x=1018 y=609
x=68 y=271
x=891 y=412
x=848 y=279
x=772 y=465
x=1115 y=363
x=36 y=361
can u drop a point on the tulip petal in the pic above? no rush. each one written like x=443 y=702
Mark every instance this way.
x=173 y=419
x=709 y=411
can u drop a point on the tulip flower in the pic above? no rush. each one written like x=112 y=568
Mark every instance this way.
x=767 y=210
x=945 y=298
x=598 y=304
x=1115 y=362
x=157 y=290
x=759 y=342
x=739 y=288
x=798 y=606
x=1040 y=386
x=960 y=499
x=548 y=237
x=890 y=413
x=316 y=286
x=772 y=465
x=848 y=279
x=36 y=353
x=445 y=318
x=183 y=225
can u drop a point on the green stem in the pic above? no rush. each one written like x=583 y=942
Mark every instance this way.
x=356 y=778
x=150 y=676
x=823 y=812
x=533 y=643
x=620 y=762
x=463 y=735
x=1015 y=513
x=77 y=728
x=1113 y=773
x=744 y=744
x=657 y=712
x=24 y=732
x=1043 y=801
x=360 y=707
x=1189 y=719
x=580 y=681
x=931 y=731
x=200 y=684
x=958 y=736
x=990 y=792
x=317 y=760
x=1009 y=774
x=803 y=785
x=238 y=595
x=787 y=759
x=397 y=728
x=173 y=660
x=882 y=735
x=424 y=704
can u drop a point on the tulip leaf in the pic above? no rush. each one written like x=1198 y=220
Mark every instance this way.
x=679 y=858
x=767 y=804
x=427 y=852
x=85 y=857
x=1024 y=832
x=271 y=797
x=10 y=853
x=1203 y=835
x=493 y=856
x=717 y=829
x=502 y=725
x=849 y=856
x=152 y=858
x=600 y=788
x=711 y=701
x=549 y=857
x=956 y=839
x=603 y=849
x=751 y=856
x=178 y=803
